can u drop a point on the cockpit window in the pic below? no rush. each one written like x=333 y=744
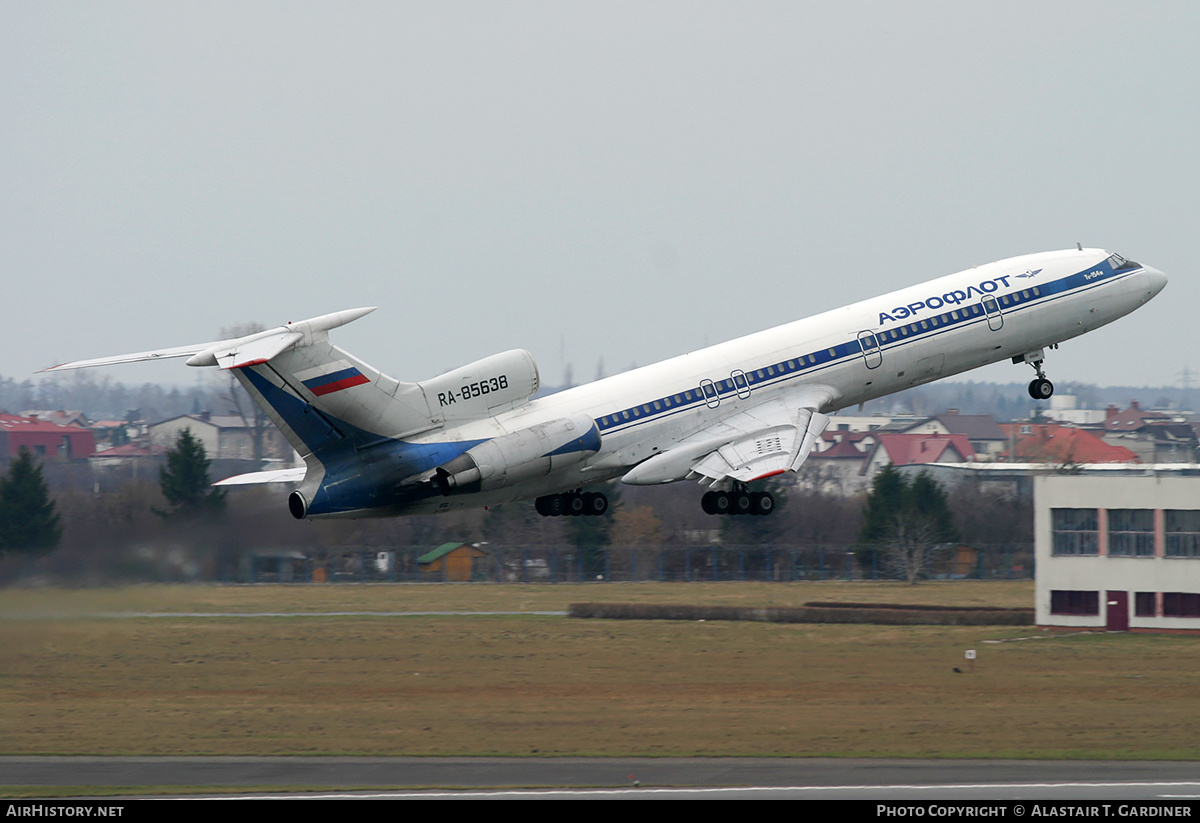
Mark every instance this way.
x=1119 y=263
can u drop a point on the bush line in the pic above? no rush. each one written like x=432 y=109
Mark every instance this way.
x=886 y=614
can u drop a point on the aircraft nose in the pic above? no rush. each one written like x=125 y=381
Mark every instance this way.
x=1155 y=280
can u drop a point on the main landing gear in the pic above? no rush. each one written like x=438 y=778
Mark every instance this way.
x=738 y=501
x=572 y=504
x=1039 y=388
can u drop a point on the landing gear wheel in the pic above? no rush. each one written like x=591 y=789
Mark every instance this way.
x=1041 y=389
x=741 y=503
x=555 y=505
x=594 y=504
x=573 y=505
x=709 y=502
x=721 y=502
x=762 y=503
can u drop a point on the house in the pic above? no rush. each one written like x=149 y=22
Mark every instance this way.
x=850 y=463
x=129 y=462
x=1118 y=553
x=917 y=449
x=59 y=417
x=45 y=440
x=451 y=561
x=1155 y=437
x=987 y=439
x=224 y=437
x=1054 y=443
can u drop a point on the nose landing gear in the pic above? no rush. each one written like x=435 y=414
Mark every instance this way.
x=1040 y=388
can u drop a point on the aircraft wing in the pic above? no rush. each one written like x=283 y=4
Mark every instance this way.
x=764 y=440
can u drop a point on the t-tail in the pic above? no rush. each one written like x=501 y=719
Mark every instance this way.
x=347 y=420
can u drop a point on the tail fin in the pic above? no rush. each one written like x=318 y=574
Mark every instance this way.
x=320 y=396
x=329 y=404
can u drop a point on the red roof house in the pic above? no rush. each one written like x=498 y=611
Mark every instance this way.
x=45 y=440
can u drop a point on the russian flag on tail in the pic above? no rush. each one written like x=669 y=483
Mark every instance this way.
x=332 y=377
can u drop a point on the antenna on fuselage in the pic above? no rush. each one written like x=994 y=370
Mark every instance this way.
x=1078 y=245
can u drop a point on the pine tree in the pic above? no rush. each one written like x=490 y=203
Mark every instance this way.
x=905 y=524
x=184 y=480
x=28 y=520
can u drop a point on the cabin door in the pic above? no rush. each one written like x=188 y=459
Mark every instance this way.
x=994 y=317
x=872 y=354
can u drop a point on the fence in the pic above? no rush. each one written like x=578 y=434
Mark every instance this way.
x=568 y=564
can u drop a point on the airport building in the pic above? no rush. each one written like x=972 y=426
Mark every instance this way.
x=1118 y=553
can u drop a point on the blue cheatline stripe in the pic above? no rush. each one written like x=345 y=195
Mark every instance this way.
x=333 y=440
x=1025 y=296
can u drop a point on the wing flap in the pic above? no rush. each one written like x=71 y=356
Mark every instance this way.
x=764 y=440
x=763 y=453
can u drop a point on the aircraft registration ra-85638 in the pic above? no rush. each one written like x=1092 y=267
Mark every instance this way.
x=725 y=416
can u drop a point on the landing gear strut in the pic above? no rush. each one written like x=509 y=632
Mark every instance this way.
x=1039 y=388
x=738 y=501
x=573 y=504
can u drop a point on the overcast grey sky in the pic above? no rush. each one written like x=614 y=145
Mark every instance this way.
x=626 y=180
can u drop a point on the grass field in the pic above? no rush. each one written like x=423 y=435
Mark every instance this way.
x=74 y=682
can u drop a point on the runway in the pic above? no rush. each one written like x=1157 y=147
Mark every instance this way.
x=620 y=778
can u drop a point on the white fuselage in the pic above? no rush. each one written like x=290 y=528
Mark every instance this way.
x=866 y=350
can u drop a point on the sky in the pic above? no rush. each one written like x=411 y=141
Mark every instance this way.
x=602 y=183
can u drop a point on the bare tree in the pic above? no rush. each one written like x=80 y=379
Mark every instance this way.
x=254 y=419
x=910 y=545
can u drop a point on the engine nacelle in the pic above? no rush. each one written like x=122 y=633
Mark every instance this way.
x=522 y=455
x=483 y=388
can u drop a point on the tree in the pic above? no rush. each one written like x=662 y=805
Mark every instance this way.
x=592 y=535
x=184 y=480
x=906 y=523
x=254 y=418
x=28 y=520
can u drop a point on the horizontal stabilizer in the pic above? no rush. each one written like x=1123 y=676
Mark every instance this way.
x=158 y=354
x=252 y=352
x=275 y=476
x=236 y=352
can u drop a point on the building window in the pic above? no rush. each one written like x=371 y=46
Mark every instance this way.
x=1181 y=604
x=1131 y=532
x=1143 y=604
x=1075 y=531
x=1182 y=533
x=1069 y=602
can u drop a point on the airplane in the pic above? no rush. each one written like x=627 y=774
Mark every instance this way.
x=725 y=416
